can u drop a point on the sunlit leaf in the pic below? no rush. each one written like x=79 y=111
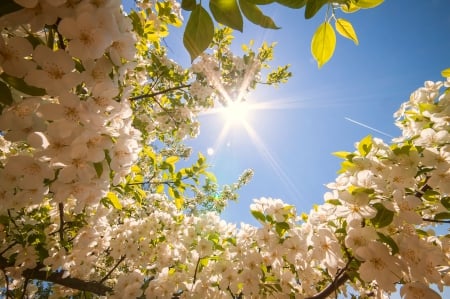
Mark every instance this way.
x=292 y=3
x=342 y=154
x=345 y=29
x=114 y=200
x=199 y=32
x=312 y=7
x=255 y=15
x=227 y=13
x=258 y=215
x=446 y=73
x=349 y=7
x=323 y=43
x=367 y=3
x=365 y=145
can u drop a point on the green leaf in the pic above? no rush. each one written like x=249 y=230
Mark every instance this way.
x=114 y=200
x=345 y=29
x=323 y=43
x=365 y=145
x=384 y=216
x=258 y=216
x=255 y=15
x=281 y=228
x=5 y=94
x=188 y=4
x=8 y=6
x=227 y=13
x=343 y=154
x=199 y=32
x=446 y=202
x=389 y=241
x=313 y=6
x=172 y=159
x=292 y=3
x=446 y=73
x=442 y=216
x=334 y=202
x=98 y=168
x=20 y=85
x=367 y=3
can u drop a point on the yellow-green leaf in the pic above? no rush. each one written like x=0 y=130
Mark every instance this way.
x=255 y=15
x=342 y=154
x=179 y=202
x=172 y=159
x=365 y=145
x=446 y=73
x=199 y=32
x=160 y=189
x=323 y=43
x=349 y=7
x=345 y=29
x=227 y=13
x=114 y=200
x=367 y=3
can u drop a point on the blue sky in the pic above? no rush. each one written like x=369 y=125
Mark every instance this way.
x=402 y=43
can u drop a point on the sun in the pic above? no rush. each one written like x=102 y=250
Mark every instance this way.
x=236 y=112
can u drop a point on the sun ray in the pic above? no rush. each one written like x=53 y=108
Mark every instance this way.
x=269 y=158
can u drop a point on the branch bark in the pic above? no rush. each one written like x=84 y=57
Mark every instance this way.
x=331 y=287
x=94 y=287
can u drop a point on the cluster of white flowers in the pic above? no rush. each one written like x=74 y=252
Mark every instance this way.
x=82 y=120
x=69 y=139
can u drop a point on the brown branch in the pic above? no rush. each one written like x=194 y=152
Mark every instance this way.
x=113 y=268
x=436 y=221
x=340 y=280
x=151 y=95
x=61 y=225
x=94 y=287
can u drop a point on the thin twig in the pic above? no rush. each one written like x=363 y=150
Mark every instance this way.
x=61 y=225
x=195 y=273
x=151 y=95
x=436 y=221
x=113 y=268
x=25 y=285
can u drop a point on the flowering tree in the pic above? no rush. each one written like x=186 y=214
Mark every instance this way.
x=93 y=202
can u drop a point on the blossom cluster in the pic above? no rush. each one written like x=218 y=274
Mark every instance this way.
x=73 y=117
x=82 y=100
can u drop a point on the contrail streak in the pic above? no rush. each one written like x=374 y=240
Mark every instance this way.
x=368 y=127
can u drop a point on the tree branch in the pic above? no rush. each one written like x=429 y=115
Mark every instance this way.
x=340 y=280
x=436 y=221
x=61 y=225
x=94 y=287
x=113 y=268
